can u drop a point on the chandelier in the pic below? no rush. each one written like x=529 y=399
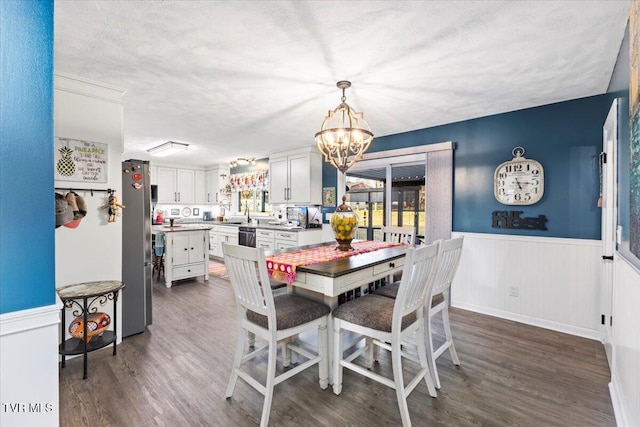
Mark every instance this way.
x=345 y=135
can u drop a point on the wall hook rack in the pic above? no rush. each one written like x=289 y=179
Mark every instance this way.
x=91 y=190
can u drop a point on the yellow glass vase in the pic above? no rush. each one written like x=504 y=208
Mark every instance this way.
x=344 y=223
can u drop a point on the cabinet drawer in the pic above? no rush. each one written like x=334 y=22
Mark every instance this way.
x=188 y=271
x=387 y=266
x=267 y=234
x=287 y=235
x=265 y=244
x=285 y=245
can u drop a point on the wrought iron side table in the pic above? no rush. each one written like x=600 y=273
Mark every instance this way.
x=92 y=294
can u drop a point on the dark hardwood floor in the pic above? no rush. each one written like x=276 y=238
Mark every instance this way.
x=175 y=374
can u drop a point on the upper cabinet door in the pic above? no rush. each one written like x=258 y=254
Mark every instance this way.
x=278 y=180
x=185 y=186
x=166 y=179
x=153 y=175
x=215 y=180
x=200 y=188
x=299 y=178
x=296 y=179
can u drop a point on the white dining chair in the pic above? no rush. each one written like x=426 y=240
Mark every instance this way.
x=399 y=234
x=390 y=322
x=439 y=303
x=396 y=234
x=273 y=319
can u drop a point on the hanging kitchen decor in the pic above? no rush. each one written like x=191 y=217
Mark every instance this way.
x=112 y=206
x=245 y=181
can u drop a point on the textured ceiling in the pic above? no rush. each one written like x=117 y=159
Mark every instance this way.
x=248 y=78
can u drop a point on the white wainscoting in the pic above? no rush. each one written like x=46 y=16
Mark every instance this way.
x=29 y=369
x=558 y=281
x=625 y=369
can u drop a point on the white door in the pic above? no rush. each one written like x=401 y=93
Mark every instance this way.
x=608 y=161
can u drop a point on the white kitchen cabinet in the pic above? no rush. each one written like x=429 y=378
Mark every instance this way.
x=289 y=239
x=153 y=175
x=215 y=180
x=213 y=242
x=200 y=194
x=265 y=239
x=178 y=185
x=296 y=178
x=286 y=239
x=166 y=179
x=185 y=185
x=226 y=234
x=186 y=255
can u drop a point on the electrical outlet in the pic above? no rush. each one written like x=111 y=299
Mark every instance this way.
x=514 y=291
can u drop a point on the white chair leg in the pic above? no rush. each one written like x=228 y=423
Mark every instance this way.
x=396 y=361
x=323 y=347
x=369 y=354
x=237 y=361
x=286 y=352
x=449 y=336
x=271 y=374
x=431 y=361
x=424 y=362
x=338 y=350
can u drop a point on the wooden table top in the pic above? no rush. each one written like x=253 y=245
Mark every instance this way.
x=342 y=266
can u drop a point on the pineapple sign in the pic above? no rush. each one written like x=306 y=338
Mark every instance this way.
x=82 y=161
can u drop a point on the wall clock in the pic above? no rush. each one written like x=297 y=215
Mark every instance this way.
x=520 y=181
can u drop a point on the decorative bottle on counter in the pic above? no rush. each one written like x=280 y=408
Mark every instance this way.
x=344 y=223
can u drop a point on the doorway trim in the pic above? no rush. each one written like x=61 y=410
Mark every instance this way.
x=438 y=159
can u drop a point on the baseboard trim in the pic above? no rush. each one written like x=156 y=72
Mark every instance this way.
x=546 y=324
x=618 y=409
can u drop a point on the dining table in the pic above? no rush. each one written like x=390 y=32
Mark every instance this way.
x=334 y=275
x=325 y=277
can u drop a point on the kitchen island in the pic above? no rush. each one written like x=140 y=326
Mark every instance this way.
x=186 y=251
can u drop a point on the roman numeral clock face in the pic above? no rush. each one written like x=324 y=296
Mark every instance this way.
x=519 y=181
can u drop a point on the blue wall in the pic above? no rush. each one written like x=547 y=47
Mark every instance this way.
x=27 y=227
x=564 y=137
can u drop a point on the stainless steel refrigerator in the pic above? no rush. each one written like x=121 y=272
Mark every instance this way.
x=136 y=247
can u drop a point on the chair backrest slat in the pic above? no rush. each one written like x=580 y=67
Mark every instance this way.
x=417 y=279
x=448 y=264
x=399 y=234
x=247 y=271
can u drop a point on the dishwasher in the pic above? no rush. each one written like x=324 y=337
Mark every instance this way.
x=247 y=236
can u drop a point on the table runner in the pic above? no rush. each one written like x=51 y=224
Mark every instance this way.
x=283 y=266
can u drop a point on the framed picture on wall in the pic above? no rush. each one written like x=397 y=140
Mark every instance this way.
x=328 y=197
x=175 y=212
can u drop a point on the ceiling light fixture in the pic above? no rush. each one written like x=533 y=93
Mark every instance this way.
x=243 y=161
x=169 y=147
x=345 y=135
